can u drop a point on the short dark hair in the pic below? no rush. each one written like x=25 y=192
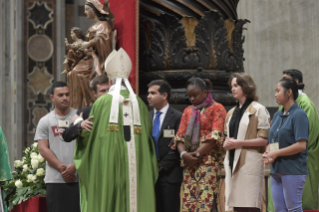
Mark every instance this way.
x=203 y=84
x=77 y=31
x=164 y=87
x=296 y=74
x=246 y=83
x=98 y=80
x=287 y=84
x=57 y=84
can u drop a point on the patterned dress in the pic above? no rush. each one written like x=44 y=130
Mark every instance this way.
x=201 y=182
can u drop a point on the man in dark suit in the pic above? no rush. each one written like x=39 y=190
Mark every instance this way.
x=165 y=121
x=81 y=120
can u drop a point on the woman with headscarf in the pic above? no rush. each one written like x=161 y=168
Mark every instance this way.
x=97 y=47
x=199 y=140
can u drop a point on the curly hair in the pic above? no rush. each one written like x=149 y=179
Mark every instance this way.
x=77 y=31
x=246 y=83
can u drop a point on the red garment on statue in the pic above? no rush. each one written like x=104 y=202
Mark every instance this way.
x=34 y=204
x=126 y=25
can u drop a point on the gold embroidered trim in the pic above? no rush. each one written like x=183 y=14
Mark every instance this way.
x=138 y=129
x=113 y=127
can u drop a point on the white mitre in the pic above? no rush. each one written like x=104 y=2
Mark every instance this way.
x=118 y=65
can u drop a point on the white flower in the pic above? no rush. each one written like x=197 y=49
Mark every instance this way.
x=35 y=144
x=40 y=158
x=18 y=183
x=40 y=172
x=34 y=155
x=27 y=150
x=34 y=163
x=24 y=159
x=29 y=178
x=25 y=167
x=18 y=163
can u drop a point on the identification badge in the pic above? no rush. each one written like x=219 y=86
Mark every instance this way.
x=64 y=123
x=274 y=146
x=169 y=133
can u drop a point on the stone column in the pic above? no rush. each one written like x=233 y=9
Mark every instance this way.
x=60 y=36
x=3 y=56
x=11 y=75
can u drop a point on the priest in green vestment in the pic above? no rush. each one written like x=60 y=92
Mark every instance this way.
x=116 y=161
x=310 y=191
x=5 y=168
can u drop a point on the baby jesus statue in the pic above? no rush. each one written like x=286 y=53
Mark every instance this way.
x=75 y=54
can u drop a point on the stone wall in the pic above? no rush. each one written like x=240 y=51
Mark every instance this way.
x=283 y=34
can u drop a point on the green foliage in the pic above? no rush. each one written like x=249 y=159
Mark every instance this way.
x=28 y=179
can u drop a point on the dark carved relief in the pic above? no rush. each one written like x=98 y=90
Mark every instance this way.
x=175 y=46
x=40 y=15
x=208 y=34
x=39 y=62
x=35 y=112
x=169 y=50
x=168 y=45
x=239 y=40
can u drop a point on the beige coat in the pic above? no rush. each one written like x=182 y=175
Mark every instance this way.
x=245 y=187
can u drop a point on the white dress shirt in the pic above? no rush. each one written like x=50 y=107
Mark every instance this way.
x=162 y=116
x=301 y=92
x=113 y=88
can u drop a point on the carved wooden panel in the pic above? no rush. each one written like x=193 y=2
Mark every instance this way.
x=182 y=38
x=40 y=61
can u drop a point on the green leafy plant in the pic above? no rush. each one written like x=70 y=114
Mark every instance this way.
x=28 y=179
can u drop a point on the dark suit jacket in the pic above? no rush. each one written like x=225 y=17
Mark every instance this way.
x=169 y=159
x=73 y=131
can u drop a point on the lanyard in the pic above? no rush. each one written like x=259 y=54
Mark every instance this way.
x=282 y=121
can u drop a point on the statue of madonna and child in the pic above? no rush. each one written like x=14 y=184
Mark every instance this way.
x=85 y=59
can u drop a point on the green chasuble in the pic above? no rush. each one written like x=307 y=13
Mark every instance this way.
x=116 y=175
x=310 y=192
x=5 y=168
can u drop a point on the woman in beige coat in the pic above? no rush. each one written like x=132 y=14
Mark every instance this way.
x=247 y=129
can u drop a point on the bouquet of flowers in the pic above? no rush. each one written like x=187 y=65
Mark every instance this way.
x=28 y=179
